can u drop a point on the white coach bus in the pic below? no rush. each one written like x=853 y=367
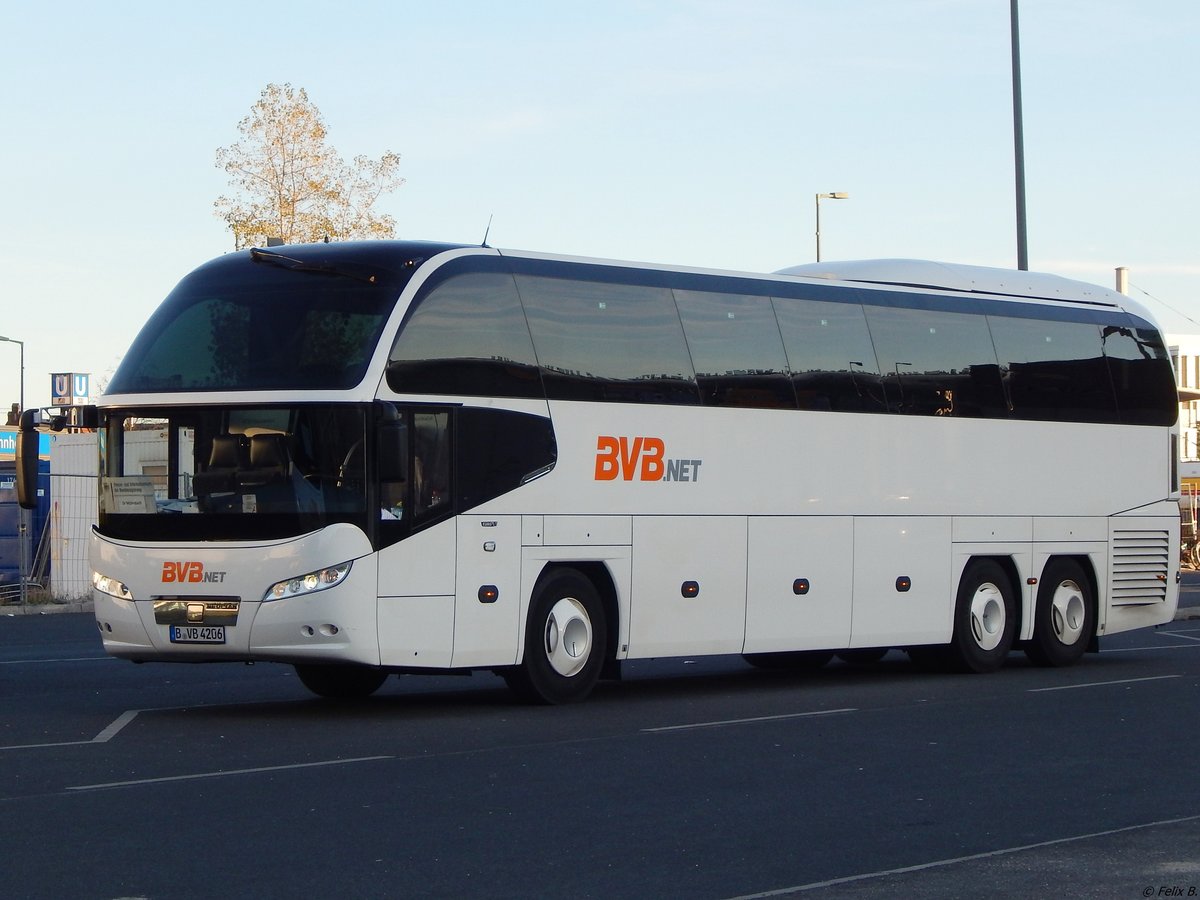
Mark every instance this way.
x=398 y=457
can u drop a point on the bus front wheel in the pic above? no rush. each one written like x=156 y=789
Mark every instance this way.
x=341 y=682
x=985 y=618
x=1065 y=616
x=565 y=637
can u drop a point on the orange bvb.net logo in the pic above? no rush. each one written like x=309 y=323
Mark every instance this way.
x=640 y=459
x=191 y=572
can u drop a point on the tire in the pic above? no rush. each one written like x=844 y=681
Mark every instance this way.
x=341 y=682
x=985 y=619
x=1065 y=618
x=565 y=639
x=797 y=661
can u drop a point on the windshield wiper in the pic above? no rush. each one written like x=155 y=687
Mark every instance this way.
x=299 y=265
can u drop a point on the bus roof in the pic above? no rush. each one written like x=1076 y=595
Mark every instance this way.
x=929 y=275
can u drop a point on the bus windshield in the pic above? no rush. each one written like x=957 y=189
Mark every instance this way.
x=265 y=322
x=231 y=473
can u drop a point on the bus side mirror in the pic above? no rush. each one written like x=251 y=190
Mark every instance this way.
x=27 y=459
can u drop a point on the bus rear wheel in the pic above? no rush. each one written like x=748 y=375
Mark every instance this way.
x=341 y=682
x=1065 y=616
x=565 y=637
x=985 y=618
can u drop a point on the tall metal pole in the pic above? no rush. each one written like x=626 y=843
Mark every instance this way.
x=21 y=344
x=1018 y=142
x=818 y=202
x=833 y=195
x=24 y=528
x=23 y=522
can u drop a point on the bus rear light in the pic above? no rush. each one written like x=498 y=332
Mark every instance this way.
x=309 y=583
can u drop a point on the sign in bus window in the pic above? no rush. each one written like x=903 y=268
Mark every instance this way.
x=131 y=494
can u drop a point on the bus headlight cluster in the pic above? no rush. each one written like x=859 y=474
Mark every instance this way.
x=110 y=586
x=308 y=583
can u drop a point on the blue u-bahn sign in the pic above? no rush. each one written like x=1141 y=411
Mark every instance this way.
x=69 y=389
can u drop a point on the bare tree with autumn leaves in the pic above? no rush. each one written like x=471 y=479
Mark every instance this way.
x=290 y=184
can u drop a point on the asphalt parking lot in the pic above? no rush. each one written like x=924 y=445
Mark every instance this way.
x=690 y=778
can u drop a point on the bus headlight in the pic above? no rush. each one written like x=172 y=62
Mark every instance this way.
x=309 y=583
x=110 y=586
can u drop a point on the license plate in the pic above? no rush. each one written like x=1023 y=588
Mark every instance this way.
x=197 y=634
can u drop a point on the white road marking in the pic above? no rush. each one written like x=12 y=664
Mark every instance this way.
x=22 y=662
x=195 y=776
x=115 y=726
x=725 y=722
x=107 y=734
x=1180 y=634
x=1143 y=649
x=1071 y=687
x=941 y=863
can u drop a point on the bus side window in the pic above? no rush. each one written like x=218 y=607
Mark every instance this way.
x=431 y=462
x=736 y=349
x=937 y=363
x=466 y=336
x=830 y=355
x=1054 y=370
x=393 y=469
x=608 y=341
x=1141 y=374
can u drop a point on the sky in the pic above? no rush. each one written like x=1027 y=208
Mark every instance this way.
x=685 y=132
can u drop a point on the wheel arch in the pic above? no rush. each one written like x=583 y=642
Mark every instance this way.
x=1088 y=566
x=1083 y=560
x=602 y=580
x=982 y=637
x=1015 y=582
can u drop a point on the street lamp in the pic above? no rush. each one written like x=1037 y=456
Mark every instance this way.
x=1018 y=140
x=24 y=527
x=9 y=340
x=836 y=195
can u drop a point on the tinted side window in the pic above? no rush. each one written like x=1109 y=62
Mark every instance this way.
x=467 y=336
x=937 y=363
x=414 y=472
x=1142 y=377
x=1054 y=371
x=830 y=355
x=736 y=350
x=602 y=341
x=498 y=450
